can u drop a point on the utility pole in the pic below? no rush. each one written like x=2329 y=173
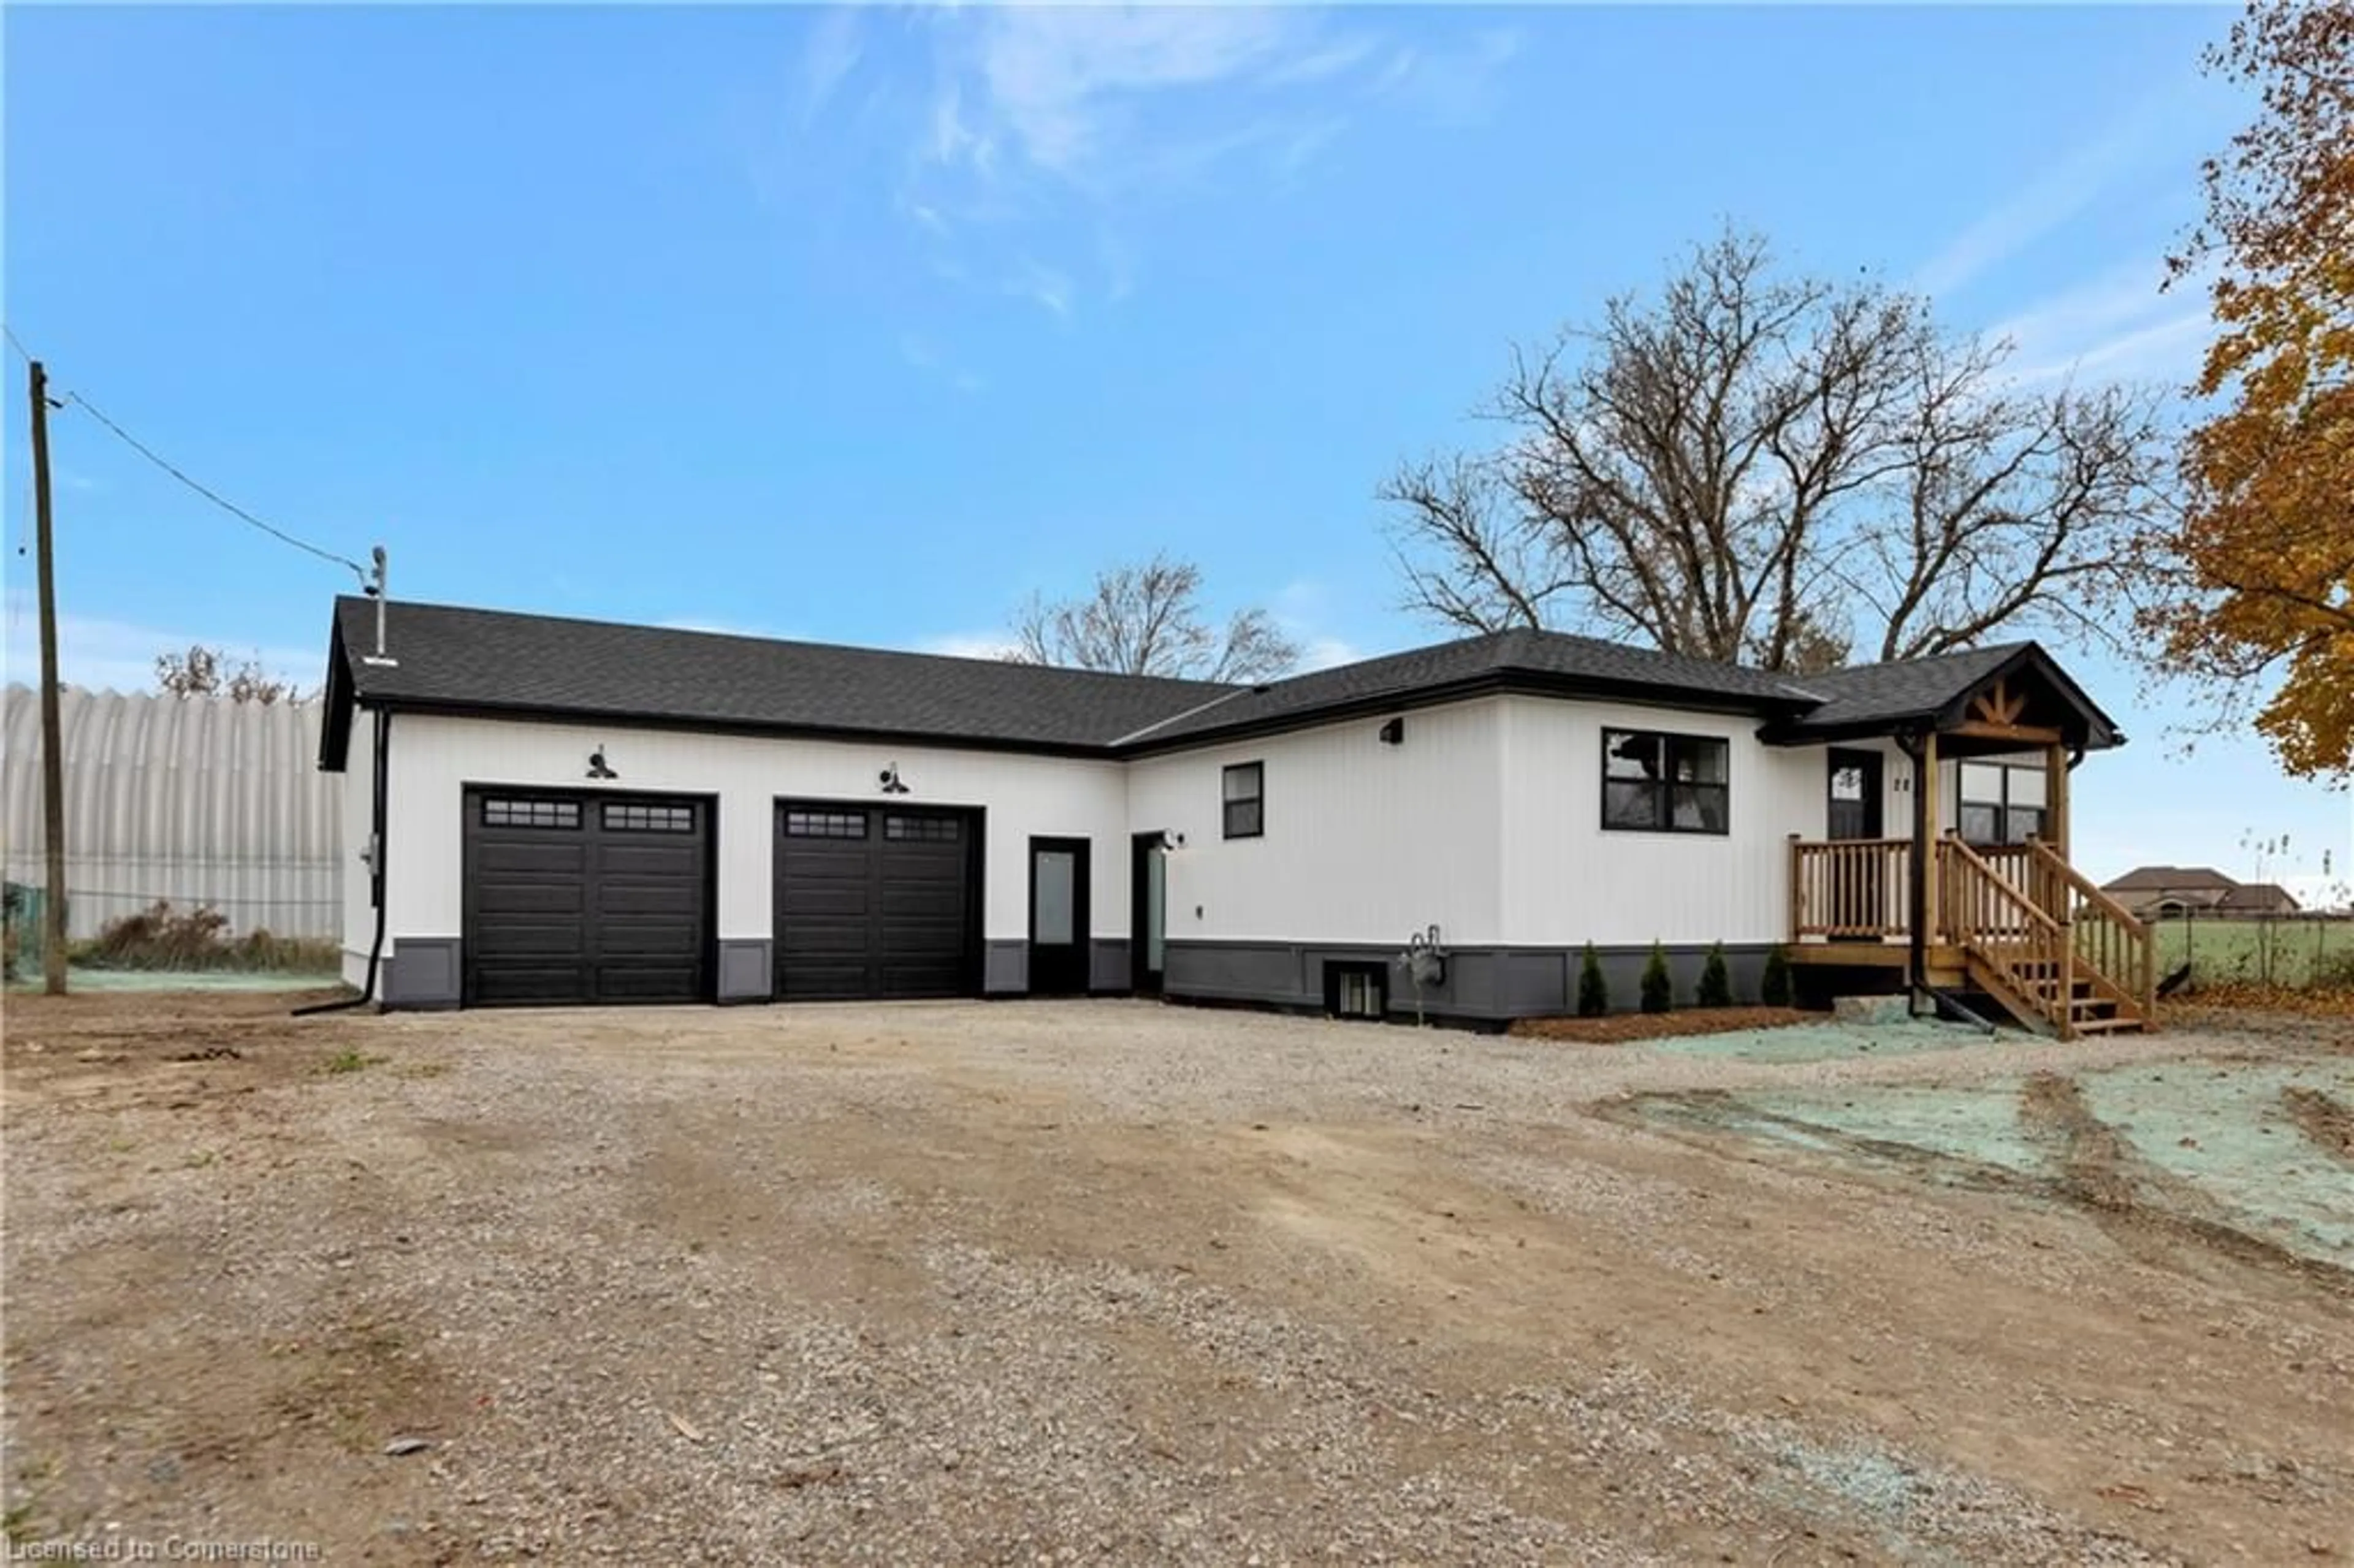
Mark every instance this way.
x=53 y=765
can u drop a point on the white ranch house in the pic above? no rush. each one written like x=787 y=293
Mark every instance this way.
x=565 y=811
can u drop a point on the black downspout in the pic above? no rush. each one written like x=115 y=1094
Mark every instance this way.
x=380 y=796
x=1916 y=965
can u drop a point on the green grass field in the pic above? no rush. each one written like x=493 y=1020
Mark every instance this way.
x=2302 y=950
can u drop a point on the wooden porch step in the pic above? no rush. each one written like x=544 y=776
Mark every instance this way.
x=2103 y=1025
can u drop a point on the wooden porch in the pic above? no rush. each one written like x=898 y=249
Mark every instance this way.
x=2013 y=921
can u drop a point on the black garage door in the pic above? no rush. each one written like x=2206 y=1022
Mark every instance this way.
x=876 y=902
x=586 y=898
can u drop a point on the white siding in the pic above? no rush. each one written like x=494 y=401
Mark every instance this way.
x=1365 y=842
x=196 y=801
x=1568 y=881
x=433 y=759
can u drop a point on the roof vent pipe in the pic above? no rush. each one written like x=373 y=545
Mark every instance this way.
x=376 y=592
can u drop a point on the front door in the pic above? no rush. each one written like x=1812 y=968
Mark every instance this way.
x=1059 y=917
x=1148 y=926
x=1857 y=880
x=1855 y=794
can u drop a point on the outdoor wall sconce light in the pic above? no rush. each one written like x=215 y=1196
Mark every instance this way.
x=1394 y=733
x=1170 y=839
x=596 y=766
x=890 y=781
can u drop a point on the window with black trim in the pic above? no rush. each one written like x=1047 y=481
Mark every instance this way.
x=506 y=812
x=921 y=829
x=2001 y=804
x=1244 y=792
x=825 y=824
x=629 y=817
x=1661 y=783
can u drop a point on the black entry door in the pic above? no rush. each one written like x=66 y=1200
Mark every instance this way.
x=1855 y=794
x=577 y=898
x=876 y=900
x=1859 y=880
x=1059 y=917
x=1148 y=926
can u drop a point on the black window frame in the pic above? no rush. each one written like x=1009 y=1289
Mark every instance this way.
x=2006 y=833
x=809 y=823
x=646 y=816
x=901 y=827
x=535 y=811
x=1663 y=786
x=1256 y=800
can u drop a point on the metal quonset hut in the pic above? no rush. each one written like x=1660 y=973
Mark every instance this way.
x=572 y=812
x=197 y=801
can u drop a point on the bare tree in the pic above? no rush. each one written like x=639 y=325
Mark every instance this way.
x=1146 y=619
x=1777 y=471
x=205 y=672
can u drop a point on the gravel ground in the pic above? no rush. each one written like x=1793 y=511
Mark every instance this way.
x=1104 y=1282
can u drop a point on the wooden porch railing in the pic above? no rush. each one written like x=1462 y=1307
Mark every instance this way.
x=1860 y=889
x=2023 y=955
x=2114 y=950
x=2034 y=930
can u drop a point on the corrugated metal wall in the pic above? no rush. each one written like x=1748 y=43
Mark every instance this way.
x=192 y=799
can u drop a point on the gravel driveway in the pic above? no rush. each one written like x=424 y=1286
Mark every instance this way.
x=1096 y=1281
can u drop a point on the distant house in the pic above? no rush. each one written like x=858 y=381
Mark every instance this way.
x=2254 y=898
x=2174 y=892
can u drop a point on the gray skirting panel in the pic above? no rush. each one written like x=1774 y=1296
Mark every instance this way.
x=747 y=971
x=1491 y=984
x=1005 y=967
x=422 y=972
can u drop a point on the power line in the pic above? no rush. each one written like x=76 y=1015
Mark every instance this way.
x=135 y=444
x=14 y=342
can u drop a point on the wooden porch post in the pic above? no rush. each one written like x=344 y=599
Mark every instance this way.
x=2055 y=796
x=1925 y=782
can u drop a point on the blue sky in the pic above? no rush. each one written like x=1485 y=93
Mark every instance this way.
x=861 y=324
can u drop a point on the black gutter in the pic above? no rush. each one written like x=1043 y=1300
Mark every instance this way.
x=382 y=795
x=1946 y=1001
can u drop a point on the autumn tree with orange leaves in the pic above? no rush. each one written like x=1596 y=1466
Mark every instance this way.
x=2261 y=569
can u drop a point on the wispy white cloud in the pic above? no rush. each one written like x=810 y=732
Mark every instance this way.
x=120 y=655
x=1454 y=85
x=1043 y=286
x=1046 y=131
x=726 y=628
x=1327 y=653
x=1303 y=609
x=2043 y=204
x=832 y=53
x=920 y=353
x=1066 y=82
x=968 y=644
x=2116 y=327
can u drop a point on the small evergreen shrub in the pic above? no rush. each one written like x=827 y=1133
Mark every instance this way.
x=1774 y=989
x=1715 y=980
x=1659 y=991
x=1592 y=992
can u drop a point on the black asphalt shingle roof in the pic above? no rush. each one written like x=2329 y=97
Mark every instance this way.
x=456 y=659
x=1910 y=688
x=1532 y=658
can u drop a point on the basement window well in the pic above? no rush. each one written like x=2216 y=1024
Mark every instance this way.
x=1357 y=991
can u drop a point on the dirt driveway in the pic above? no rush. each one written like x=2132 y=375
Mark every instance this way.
x=1106 y=1281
